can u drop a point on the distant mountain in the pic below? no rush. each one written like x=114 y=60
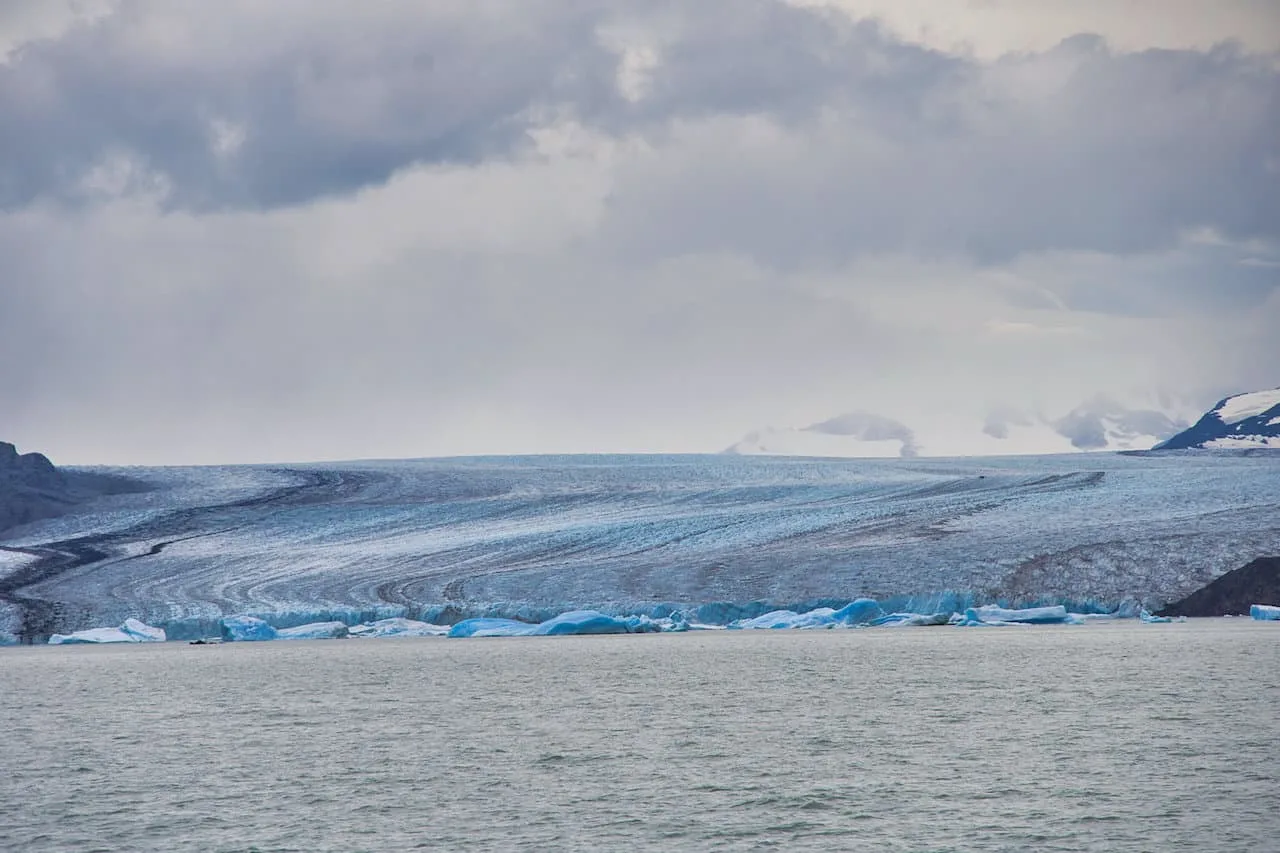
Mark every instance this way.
x=1096 y=424
x=1249 y=420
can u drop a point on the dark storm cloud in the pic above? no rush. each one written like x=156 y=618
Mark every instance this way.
x=793 y=134
x=303 y=114
x=1077 y=148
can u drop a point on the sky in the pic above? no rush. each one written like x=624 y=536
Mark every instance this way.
x=298 y=230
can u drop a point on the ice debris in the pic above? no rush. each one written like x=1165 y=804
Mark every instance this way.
x=132 y=631
x=1265 y=613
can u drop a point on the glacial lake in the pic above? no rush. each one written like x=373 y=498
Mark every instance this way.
x=1106 y=737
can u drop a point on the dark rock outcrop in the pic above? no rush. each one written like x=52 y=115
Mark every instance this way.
x=1231 y=594
x=31 y=488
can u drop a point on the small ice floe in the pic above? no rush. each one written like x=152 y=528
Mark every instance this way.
x=1265 y=613
x=1149 y=617
x=132 y=631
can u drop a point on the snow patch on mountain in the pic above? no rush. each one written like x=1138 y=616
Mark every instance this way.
x=1235 y=409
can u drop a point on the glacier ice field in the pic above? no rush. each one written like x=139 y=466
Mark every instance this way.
x=704 y=539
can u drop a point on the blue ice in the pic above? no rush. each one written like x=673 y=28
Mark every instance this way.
x=132 y=631
x=595 y=622
x=246 y=628
x=911 y=620
x=485 y=626
x=1265 y=613
x=398 y=626
x=990 y=614
x=313 y=631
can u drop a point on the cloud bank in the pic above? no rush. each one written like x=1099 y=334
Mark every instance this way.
x=307 y=230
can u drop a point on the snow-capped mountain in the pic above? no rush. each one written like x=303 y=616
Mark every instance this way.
x=1249 y=420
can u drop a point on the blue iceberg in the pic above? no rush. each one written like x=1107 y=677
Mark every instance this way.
x=911 y=620
x=246 y=629
x=1265 y=613
x=132 y=631
x=484 y=626
x=990 y=614
x=313 y=631
x=574 y=622
x=398 y=626
x=821 y=617
x=860 y=611
x=594 y=622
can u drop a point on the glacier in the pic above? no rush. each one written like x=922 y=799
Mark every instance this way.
x=695 y=540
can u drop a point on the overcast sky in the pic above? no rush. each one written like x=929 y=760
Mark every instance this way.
x=246 y=231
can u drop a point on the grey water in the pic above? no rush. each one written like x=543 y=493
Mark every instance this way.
x=1122 y=736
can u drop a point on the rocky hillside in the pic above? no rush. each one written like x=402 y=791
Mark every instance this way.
x=31 y=488
x=1231 y=594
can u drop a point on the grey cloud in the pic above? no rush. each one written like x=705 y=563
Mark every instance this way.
x=1074 y=149
x=325 y=111
x=1090 y=425
x=789 y=133
x=1000 y=418
x=867 y=426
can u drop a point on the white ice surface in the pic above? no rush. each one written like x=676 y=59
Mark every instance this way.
x=1241 y=442
x=397 y=627
x=1244 y=406
x=1028 y=615
x=313 y=631
x=132 y=631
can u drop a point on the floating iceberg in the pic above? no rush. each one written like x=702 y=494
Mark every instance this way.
x=245 y=629
x=821 y=617
x=489 y=627
x=595 y=622
x=911 y=620
x=313 y=631
x=990 y=614
x=1147 y=616
x=860 y=611
x=572 y=622
x=1265 y=613
x=132 y=631
x=398 y=626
